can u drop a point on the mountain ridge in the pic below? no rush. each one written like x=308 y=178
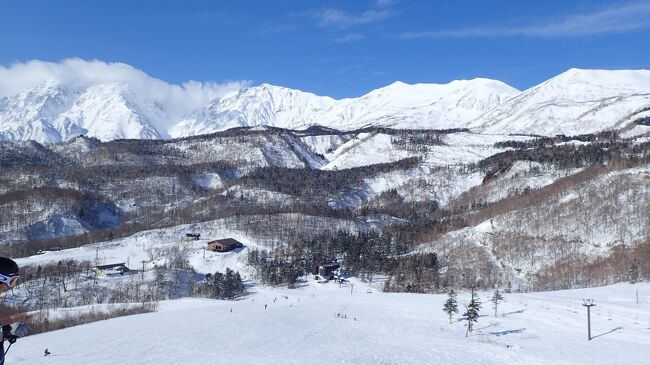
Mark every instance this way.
x=574 y=102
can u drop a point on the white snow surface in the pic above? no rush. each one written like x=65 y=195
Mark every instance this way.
x=303 y=328
x=208 y=180
x=426 y=106
x=374 y=148
x=51 y=112
x=364 y=149
x=574 y=102
x=377 y=328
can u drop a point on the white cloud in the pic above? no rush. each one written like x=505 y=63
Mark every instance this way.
x=341 y=19
x=615 y=19
x=79 y=74
x=350 y=38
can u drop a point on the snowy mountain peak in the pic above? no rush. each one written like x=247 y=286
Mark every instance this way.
x=474 y=84
x=272 y=93
x=258 y=105
x=574 y=102
x=41 y=99
x=425 y=106
x=29 y=115
x=112 y=110
x=396 y=85
x=580 y=83
x=399 y=104
x=51 y=112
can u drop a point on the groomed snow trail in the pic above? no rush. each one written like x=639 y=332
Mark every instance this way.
x=325 y=324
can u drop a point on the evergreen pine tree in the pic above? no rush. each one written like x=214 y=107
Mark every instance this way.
x=451 y=305
x=229 y=284
x=471 y=312
x=217 y=285
x=240 y=289
x=223 y=286
x=509 y=287
x=633 y=273
x=496 y=298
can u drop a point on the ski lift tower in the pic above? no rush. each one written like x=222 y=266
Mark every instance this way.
x=588 y=303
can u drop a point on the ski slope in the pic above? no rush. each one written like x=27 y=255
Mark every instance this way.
x=380 y=328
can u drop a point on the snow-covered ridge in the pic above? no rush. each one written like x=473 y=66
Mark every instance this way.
x=423 y=106
x=574 y=102
x=52 y=112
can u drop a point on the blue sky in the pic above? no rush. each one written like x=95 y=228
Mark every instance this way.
x=335 y=48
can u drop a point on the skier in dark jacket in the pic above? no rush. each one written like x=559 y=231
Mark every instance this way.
x=9 y=279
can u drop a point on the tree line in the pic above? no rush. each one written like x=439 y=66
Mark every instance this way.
x=365 y=254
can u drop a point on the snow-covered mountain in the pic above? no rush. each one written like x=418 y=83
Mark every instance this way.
x=111 y=111
x=31 y=115
x=575 y=102
x=420 y=106
x=399 y=105
x=260 y=105
x=51 y=112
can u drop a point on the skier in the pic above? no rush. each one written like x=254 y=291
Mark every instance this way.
x=47 y=352
x=8 y=279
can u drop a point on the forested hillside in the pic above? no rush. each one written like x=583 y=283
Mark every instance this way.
x=420 y=209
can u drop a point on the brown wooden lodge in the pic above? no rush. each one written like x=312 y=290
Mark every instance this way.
x=224 y=245
x=112 y=269
x=326 y=271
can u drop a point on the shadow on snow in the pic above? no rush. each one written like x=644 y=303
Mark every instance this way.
x=507 y=332
x=608 y=332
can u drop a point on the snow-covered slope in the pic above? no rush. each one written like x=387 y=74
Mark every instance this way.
x=260 y=105
x=302 y=327
x=51 y=112
x=574 y=102
x=31 y=114
x=400 y=105
x=112 y=111
x=420 y=106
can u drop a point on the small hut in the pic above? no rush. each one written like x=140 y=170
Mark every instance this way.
x=224 y=245
x=327 y=271
x=111 y=269
x=192 y=236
